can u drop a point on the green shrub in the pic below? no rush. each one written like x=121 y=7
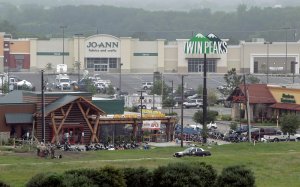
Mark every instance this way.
x=77 y=181
x=3 y=184
x=45 y=179
x=181 y=174
x=136 y=177
x=206 y=173
x=107 y=176
x=236 y=176
x=226 y=118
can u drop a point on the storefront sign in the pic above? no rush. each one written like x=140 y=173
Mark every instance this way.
x=276 y=68
x=102 y=46
x=209 y=44
x=151 y=124
x=287 y=98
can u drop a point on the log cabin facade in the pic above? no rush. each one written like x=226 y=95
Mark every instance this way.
x=71 y=113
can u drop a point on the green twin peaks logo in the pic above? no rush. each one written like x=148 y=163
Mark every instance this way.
x=209 y=44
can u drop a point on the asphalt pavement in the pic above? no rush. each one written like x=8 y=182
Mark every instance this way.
x=133 y=82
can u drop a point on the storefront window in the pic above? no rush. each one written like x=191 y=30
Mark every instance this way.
x=112 y=63
x=196 y=65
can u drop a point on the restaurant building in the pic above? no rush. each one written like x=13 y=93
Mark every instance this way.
x=267 y=102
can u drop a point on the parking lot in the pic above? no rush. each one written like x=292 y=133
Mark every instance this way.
x=133 y=82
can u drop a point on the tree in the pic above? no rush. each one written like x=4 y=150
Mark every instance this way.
x=251 y=79
x=158 y=86
x=232 y=80
x=110 y=90
x=178 y=90
x=289 y=123
x=200 y=90
x=212 y=98
x=211 y=116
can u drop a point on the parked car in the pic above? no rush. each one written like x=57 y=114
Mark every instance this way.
x=178 y=99
x=189 y=92
x=192 y=151
x=193 y=103
x=147 y=85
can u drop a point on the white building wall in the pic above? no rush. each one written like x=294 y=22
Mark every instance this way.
x=144 y=56
x=126 y=54
x=50 y=51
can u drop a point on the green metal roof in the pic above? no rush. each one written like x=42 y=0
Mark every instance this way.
x=18 y=118
x=15 y=96
x=60 y=103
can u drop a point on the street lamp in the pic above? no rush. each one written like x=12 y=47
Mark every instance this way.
x=182 y=78
x=268 y=43
x=78 y=57
x=63 y=29
x=120 y=80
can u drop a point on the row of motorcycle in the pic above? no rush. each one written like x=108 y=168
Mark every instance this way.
x=97 y=146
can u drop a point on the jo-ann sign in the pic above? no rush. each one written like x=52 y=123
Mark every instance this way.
x=209 y=44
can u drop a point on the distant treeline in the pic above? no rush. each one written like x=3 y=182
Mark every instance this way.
x=273 y=24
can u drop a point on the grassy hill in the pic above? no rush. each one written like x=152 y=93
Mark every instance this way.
x=274 y=164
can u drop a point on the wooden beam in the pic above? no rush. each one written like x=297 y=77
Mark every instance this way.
x=54 y=127
x=59 y=117
x=62 y=111
x=61 y=123
x=94 y=135
x=87 y=111
x=85 y=117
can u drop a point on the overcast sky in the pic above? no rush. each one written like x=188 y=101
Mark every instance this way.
x=182 y=5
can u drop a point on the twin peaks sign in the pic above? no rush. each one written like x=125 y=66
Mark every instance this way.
x=209 y=44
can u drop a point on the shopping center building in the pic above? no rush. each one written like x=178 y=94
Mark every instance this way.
x=107 y=53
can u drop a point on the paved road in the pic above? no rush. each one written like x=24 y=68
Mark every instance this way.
x=133 y=82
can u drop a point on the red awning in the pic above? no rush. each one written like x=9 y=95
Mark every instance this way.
x=286 y=106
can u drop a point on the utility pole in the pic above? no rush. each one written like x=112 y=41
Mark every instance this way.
x=182 y=79
x=43 y=108
x=141 y=98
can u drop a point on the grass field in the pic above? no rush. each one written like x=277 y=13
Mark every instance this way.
x=274 y=164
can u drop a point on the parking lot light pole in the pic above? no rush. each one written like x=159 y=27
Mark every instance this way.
x=63 y=53
x=268 y=43
x=182 y=79
x=78 y=57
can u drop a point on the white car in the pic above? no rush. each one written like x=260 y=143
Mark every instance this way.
x=24 y=83
x=193 y=103
x=147 y=85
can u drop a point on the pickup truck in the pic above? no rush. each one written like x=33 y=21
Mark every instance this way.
x=282 y=137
